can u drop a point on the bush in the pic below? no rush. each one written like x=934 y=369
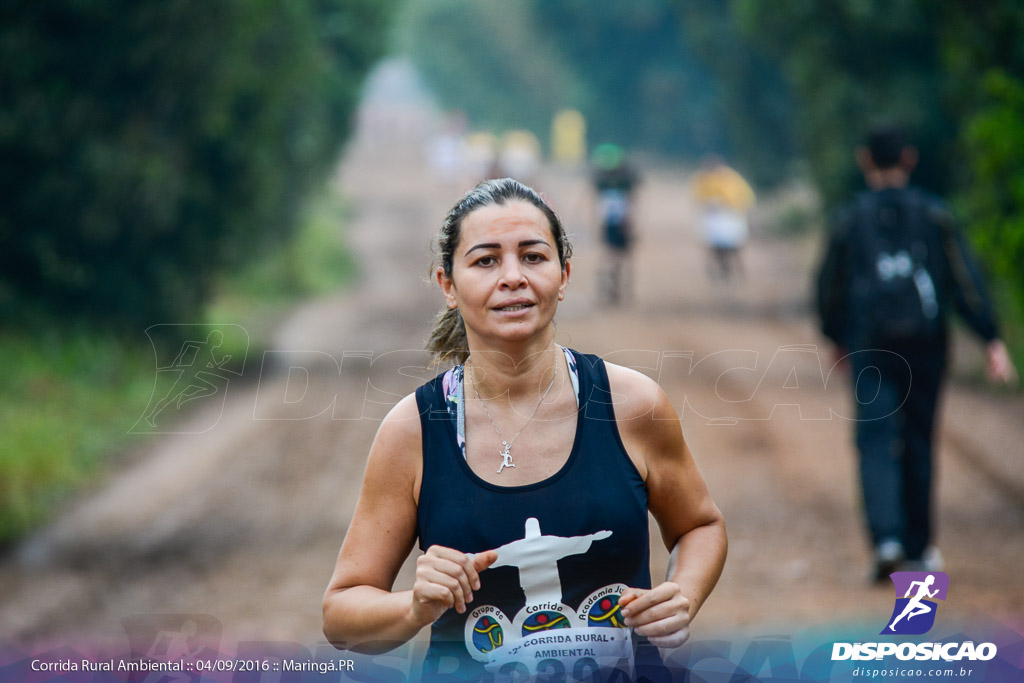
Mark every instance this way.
x=148 y=147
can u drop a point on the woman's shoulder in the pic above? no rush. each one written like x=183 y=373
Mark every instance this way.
x=404 y=411
x=636 y=397
x=394 y=467
x=644 y=416
x=399 y=435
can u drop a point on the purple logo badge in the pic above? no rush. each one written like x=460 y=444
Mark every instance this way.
x=916 y=595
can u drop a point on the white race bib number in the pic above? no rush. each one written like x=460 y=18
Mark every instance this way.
x=571 y=654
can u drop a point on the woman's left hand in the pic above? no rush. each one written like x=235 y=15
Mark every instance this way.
x=661 y=614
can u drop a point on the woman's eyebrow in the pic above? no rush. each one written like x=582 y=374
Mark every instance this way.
x=485 y=245
x=495 y=245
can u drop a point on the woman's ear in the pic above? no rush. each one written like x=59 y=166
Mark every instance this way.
x=565 y=280
x=447 y=288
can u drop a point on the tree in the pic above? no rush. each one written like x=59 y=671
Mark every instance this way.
x=753 y=99
x=484 y=57
x=150 y=146
x=949 y=71
x=983 y=50
x=851 y=63
x=625 y=66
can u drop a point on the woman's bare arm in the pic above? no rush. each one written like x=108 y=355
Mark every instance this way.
x=359 y=607
x=691 y=524
x=360 y=610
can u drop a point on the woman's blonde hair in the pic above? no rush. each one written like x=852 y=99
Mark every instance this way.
x=447 y=340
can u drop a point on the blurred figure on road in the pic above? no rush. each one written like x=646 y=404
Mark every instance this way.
x=519 y=156
x=445 y=152
x=614 y=182
x=480 y=153
x=894 y=269
x=569 y=138
x=725 y=199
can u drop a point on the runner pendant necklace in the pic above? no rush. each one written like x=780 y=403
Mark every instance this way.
x=506 y=453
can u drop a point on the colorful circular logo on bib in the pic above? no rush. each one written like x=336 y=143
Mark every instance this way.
x=601 y=609
x=545 y=621
x=488 y=634
x=606 y=612
x=487 y=629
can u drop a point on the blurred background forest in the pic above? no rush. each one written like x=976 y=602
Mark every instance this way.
x=168 y=162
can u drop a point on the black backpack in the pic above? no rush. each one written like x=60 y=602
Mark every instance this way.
x=896 y=260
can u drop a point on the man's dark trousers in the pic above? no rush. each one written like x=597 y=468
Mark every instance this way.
x=897 y=390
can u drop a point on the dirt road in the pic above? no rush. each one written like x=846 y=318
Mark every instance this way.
x=243 y=521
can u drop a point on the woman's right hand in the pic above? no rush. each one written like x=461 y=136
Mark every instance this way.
x=446 y=578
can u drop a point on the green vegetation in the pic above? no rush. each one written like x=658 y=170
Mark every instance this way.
x=782 y=89
x=69 y=397
x=754 y=101
x=790 y=211
x=150 y=148
x=314 y=263
x=72 y=393
x=163 y=163
x=630 y=68
x=850 y=64
x=951 y=72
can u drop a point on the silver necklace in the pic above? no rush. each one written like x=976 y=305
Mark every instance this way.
x=506 y=453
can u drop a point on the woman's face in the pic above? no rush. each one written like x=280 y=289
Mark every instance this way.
x=506 y=278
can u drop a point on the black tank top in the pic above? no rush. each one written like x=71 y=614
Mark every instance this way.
x=590 y=519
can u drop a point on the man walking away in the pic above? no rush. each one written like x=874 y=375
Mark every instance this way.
x=894 y=268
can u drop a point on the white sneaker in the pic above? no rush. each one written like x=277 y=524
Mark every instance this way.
x=931 y=561
x=888 y=555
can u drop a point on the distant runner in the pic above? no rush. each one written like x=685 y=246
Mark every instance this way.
x=724 y=198
x=614 y=180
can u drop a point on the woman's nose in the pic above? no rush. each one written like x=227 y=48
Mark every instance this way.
x=512 y=275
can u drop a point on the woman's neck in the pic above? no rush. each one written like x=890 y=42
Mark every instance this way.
x=516 y=372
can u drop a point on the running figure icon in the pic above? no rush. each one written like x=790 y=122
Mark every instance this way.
x=916 y=606
x=195 y=365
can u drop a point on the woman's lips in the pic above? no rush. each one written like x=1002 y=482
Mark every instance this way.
x=516 y=306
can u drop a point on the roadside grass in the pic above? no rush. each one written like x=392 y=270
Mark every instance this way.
x=68 y=400
x=70 y=395
x=315 y=263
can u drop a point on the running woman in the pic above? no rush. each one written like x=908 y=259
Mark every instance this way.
x=526 y=473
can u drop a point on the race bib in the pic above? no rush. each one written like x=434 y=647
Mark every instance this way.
x=547 y=638
x=577 y=653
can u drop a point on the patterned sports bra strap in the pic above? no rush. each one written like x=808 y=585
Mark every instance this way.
x=454 y=385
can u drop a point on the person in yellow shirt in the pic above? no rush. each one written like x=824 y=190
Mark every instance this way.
x=725 y=199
